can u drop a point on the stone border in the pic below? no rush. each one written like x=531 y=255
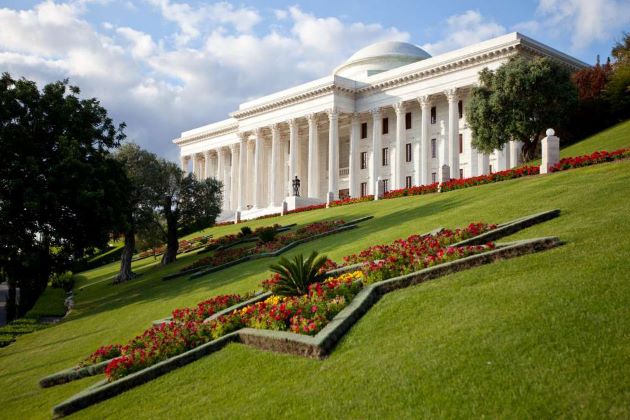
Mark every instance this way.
x=73 y=374
x=242 y=241
x=200 y=271
x=316 y=347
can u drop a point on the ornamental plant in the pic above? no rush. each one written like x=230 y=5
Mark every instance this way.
x=297 y=274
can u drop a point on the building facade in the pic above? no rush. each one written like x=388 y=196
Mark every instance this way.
x=390 y=112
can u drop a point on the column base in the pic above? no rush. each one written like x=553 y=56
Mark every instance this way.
x=295 y=202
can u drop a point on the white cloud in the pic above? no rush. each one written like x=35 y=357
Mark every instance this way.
x=160 y=87
x=465 y=29
x=587 y=21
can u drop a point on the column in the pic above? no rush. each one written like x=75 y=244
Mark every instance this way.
x=249 y=191
x=184 y=163
x=515 y=153
x=276 y=169
x=313 y=156
x=257 y=168
x=473 y=161
x=453 y=131
x=443 y=154
x=195 y=164
x=242 y=158
x=422 y=158
x=550 y=151
x=220 y=166
x=353 y=162
x=376 y=149
x=484 y=164
x=293 y=150
x=207 y=164
x=234 y=177
x=398 y=163
x=201 y=170
x=333 y=154
x=503 y=157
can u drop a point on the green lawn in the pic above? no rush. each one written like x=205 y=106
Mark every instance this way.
x=541 y=335
x=613 y=138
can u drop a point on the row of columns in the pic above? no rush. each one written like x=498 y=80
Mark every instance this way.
x=236 y=179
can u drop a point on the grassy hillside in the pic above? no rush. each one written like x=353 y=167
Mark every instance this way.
x=613 y=138
x=541 y=335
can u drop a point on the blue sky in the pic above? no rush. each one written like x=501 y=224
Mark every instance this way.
x=166 y=66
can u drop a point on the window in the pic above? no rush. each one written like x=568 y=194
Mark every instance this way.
x=433 y=177
x=408 y=155
x=364 y=130
x=363 y=189
x=385 y=125
x=407 y=182
x=461 y=174
x=433 y=148
x=344 y=193
x=461 y=143
x=433 y=115
x=385 y=156
x=364 y=160
x=490 y=168
x=460 y=109
x=385 y=185
x=408 y=121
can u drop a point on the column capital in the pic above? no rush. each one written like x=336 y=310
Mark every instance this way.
x=292 y=122
x=275 y=128
x=333 y=113
x=376 y=112
x=233 y=147
x=242 y=136
x=451 y=94
x=185 y=158
x=424 y=101
x=207 y=153
x=399 y=107
x=257 y=132
x=355 y=117
x=311 y=118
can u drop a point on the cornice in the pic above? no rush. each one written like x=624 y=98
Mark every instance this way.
x=232 y=128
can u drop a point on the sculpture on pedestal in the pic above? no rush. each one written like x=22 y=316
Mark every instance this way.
x=296 y=186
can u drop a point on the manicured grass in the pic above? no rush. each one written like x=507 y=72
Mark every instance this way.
x=613 y=138
x=539 y=336
x=50 y=303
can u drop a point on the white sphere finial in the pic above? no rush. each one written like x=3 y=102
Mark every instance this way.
x=550 y=132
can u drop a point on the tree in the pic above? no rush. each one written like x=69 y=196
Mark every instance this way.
x=61 y=193
x=519 y=101
x=186 y=204
x=618 y=87
x=143 y=169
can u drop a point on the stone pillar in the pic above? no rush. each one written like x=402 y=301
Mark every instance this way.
x=422 y=159
x=257 y=168
x=195 y=166
x=234 y=177
x=183 y=160
x=474 y=161
x=376 y=149
x=453 y=132
x=333 y=154
x=353 y=161
x=379 y=189
x=207 y=163
x=293 y=149
x=276 y=166
x=249 y=185
x=515 y=153
x=484 y=164
x=313 y=157
x=220 y=176
x=503 y=157
x=242 y=163
x=550 y=151
x=399 y=162
x=443 y=153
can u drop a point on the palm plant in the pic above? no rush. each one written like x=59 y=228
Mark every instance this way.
x=297 y=274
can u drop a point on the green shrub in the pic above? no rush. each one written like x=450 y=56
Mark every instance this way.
x=63 y=281
x=297 y=274
x=267 y=234
x=246 y=231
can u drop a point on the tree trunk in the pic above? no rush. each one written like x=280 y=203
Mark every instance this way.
x=125 y=273
x=529 y=150
x=172 y=244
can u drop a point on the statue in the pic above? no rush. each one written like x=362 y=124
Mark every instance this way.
x=296 y=186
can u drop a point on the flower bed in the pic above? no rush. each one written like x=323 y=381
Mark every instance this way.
x=185 y=245
x=225 y=256
x=306 y=314
x=592 y=159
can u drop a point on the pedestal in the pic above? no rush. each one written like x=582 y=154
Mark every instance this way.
x=295 y=202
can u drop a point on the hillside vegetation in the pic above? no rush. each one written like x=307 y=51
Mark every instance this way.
x=540 y=335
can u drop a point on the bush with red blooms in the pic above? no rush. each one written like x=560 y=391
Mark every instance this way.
x=207 y=308
x=457 y=184
x=225 y=256
x=306 y=314
x=101 y=354
x=416 y=190
x=592 y=159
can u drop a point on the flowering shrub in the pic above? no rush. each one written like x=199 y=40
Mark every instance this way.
x=101 y=354
x=456 y=184
x=185 y=245
x=592 y=159
x=224 y=256
x=348 y=200
x=415 y=190
x=207 y=308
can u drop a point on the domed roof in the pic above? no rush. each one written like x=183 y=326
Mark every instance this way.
x=380 y=57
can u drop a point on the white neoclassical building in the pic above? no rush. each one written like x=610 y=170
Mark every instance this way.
x=390 y=112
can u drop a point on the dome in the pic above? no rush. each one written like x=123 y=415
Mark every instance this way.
x=380 y=57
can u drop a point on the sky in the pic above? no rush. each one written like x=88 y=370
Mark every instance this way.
x=167 y=66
